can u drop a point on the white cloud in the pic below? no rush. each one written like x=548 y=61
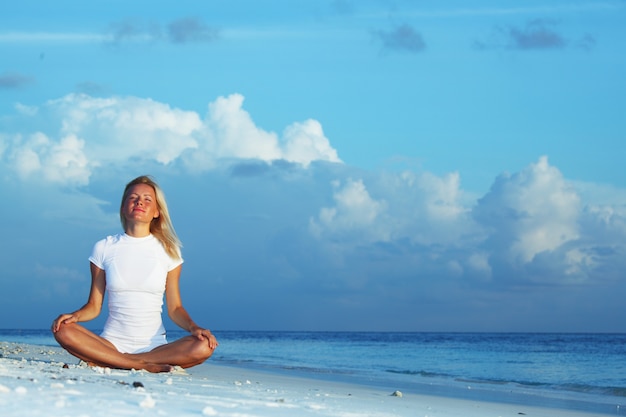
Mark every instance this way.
x=230 y=132
x=576 y=262
x=532 y=227
x=234 y=134
x=420 y=208
x=121 y=128
x=610 y=220
x=530 y=212
x=427 y=209
x=354 y=215
x=543 y=229
x=72 y=135
x=305 y=142
x=61 y=162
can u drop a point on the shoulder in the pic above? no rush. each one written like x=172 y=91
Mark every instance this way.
x=171 y=262
x=107 y=242
x=101 y=249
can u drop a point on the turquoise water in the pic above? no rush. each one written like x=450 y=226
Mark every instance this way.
x=576 y=371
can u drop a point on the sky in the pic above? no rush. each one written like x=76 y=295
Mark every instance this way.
x=329 y=165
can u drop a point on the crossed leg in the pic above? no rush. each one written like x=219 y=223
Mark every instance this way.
x=91 y=348
x=185 y=352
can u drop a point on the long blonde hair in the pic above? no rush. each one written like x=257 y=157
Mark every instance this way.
x=161 y=227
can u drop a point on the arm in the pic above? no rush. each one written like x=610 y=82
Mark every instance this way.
x=177 y=312
x=93 y=306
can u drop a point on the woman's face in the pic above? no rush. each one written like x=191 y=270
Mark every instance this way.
x=140 y=204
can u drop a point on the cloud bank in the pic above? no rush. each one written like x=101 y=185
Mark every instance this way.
x=276 y=222
x=90 y=133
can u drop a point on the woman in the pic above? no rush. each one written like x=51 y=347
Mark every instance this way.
x=136 y=268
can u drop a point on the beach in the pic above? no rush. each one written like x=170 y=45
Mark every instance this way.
x=40 y=380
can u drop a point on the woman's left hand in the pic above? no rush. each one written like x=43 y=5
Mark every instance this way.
x=201 y=334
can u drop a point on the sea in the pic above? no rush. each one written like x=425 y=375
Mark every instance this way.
x=581 y=371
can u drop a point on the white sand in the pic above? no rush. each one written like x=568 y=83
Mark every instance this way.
x=33 y=382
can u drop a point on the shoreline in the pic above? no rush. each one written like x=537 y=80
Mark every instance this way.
x=474 y=391
x=43 y=380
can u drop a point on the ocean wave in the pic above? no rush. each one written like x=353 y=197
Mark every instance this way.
x=425 y=374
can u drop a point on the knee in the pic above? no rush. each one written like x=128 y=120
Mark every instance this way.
x=60 y=333
x=202 y=351
x=65 y=334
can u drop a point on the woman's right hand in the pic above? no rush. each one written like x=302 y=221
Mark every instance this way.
x=63 y=319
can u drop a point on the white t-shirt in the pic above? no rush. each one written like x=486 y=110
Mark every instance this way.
x=136 y=271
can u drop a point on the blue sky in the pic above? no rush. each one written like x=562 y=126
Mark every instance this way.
x=329 y=165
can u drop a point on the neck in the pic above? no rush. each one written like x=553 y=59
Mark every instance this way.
x=137 y=229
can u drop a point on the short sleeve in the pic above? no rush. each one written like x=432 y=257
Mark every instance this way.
x=174 y=263
x=97 y=254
